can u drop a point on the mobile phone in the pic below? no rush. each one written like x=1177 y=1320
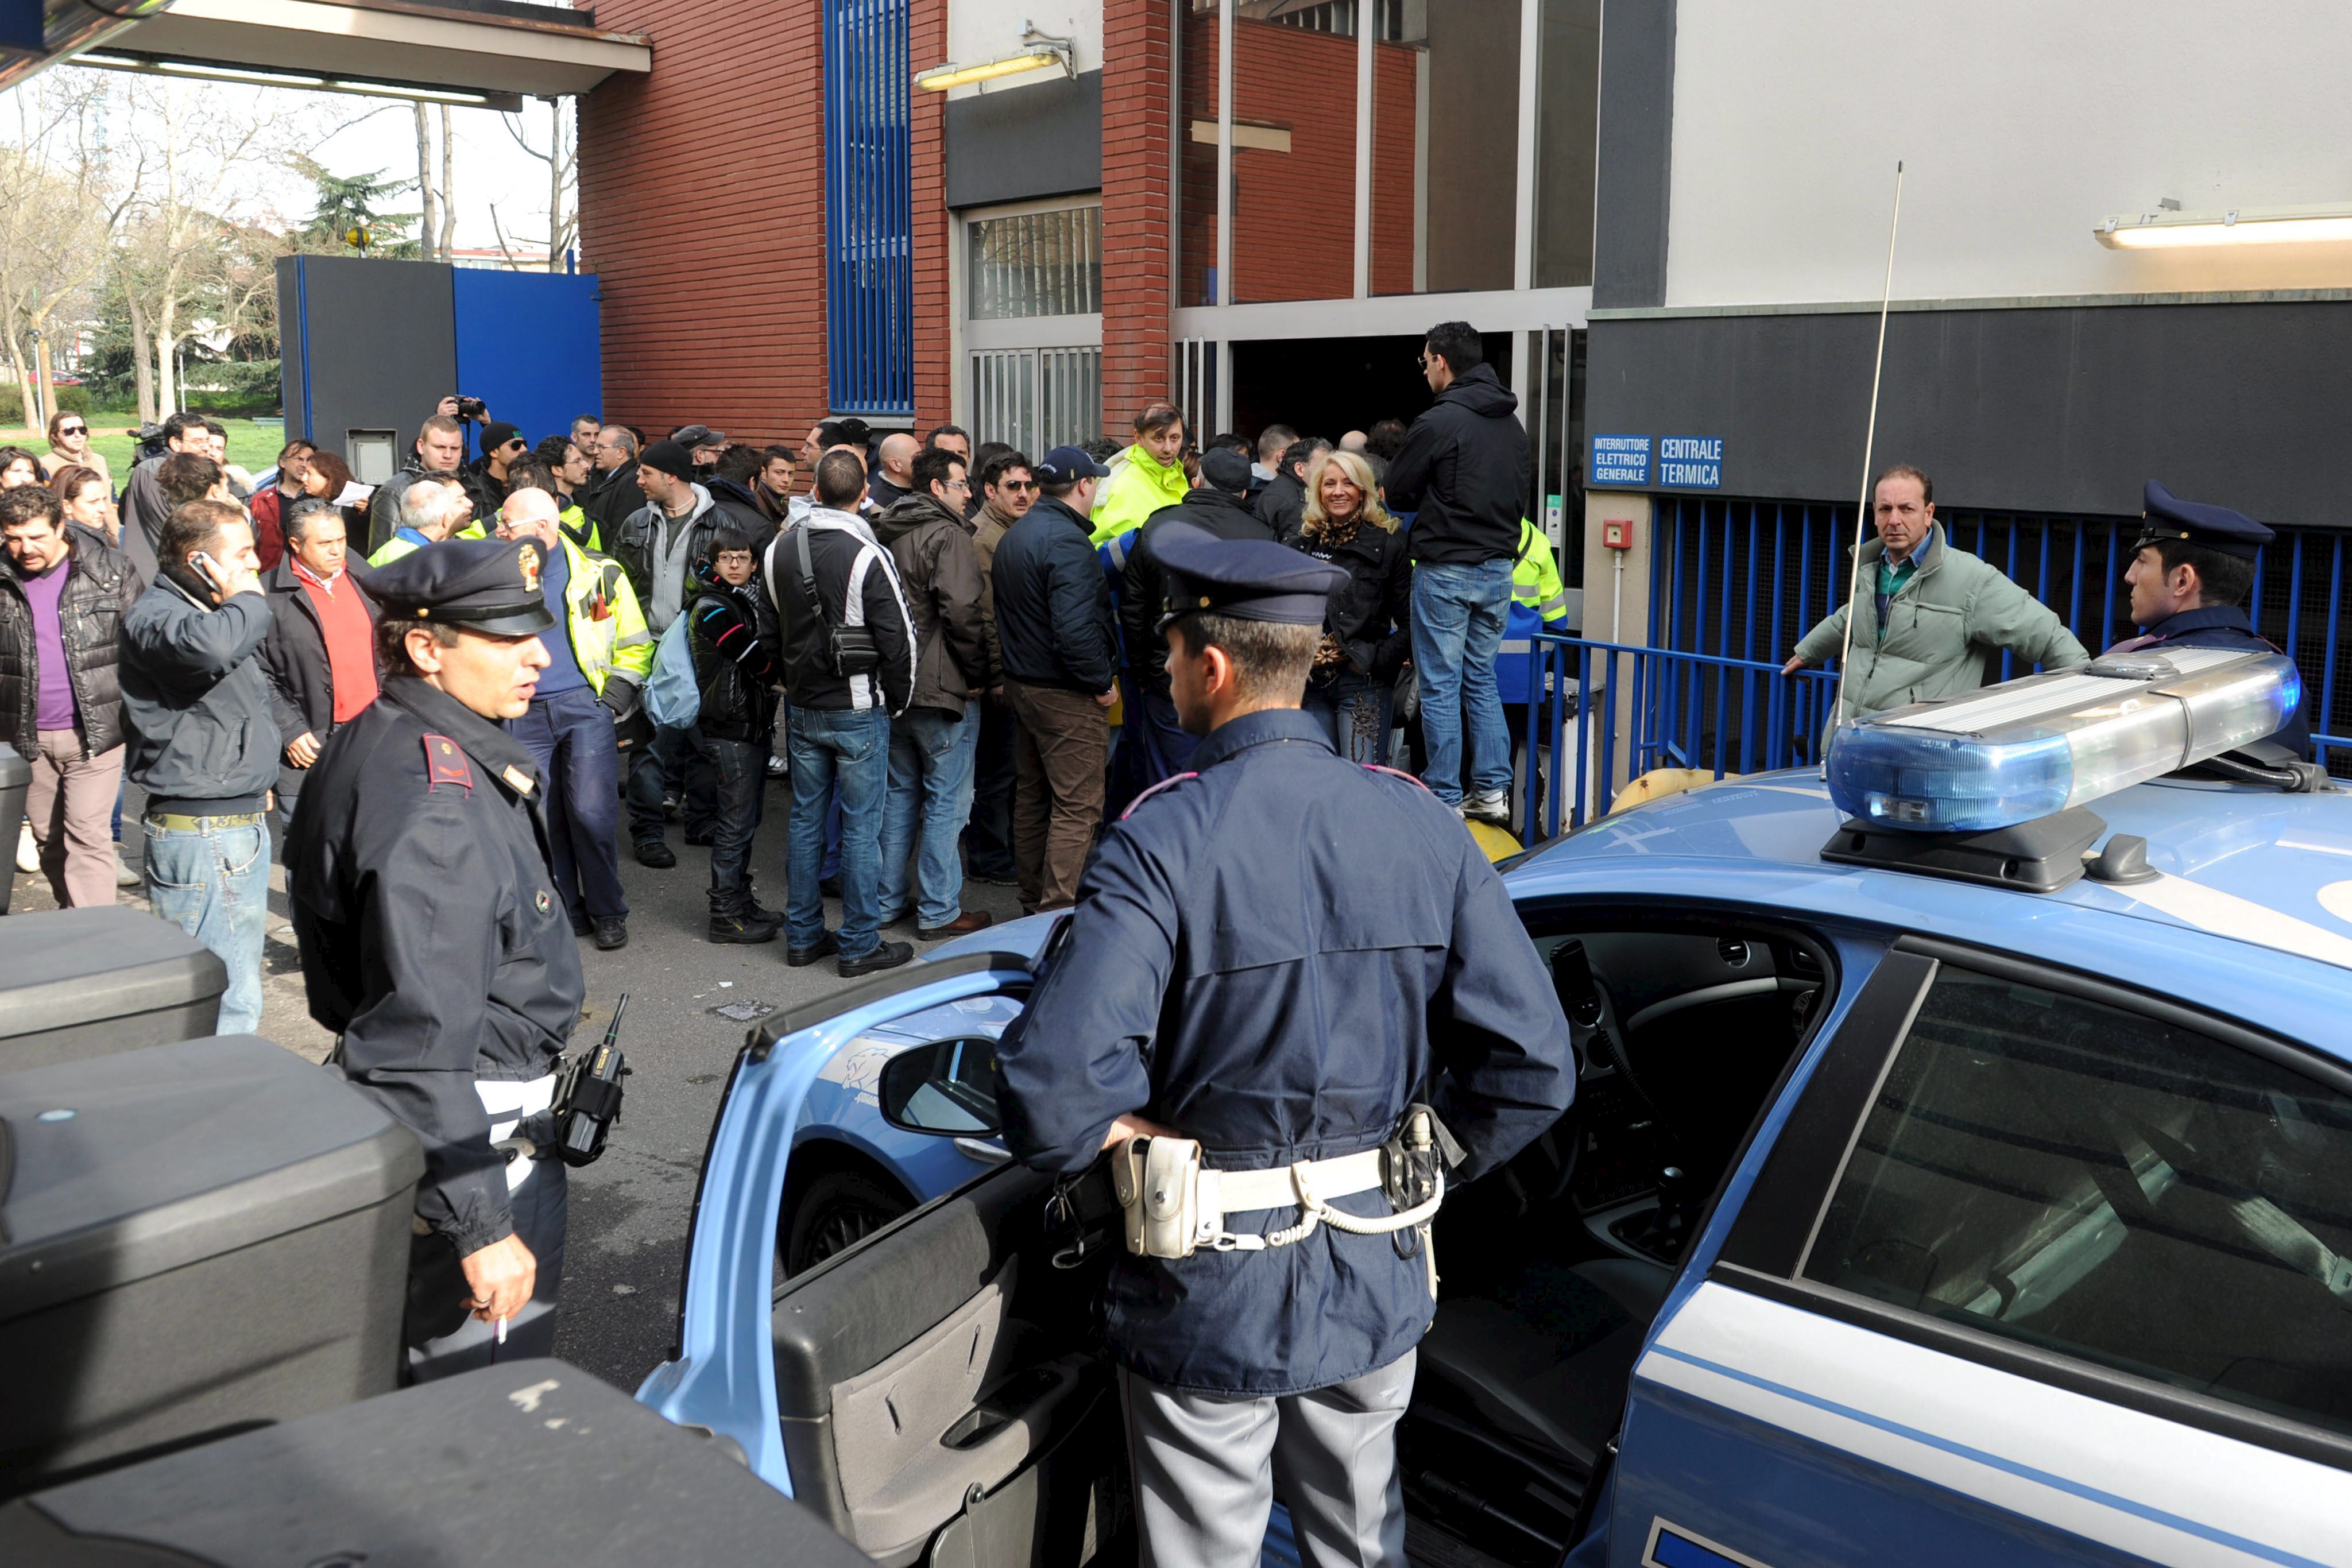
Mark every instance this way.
x=210 y=567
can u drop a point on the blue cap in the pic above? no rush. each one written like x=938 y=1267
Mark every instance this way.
x=486 y=585
x=2215 y=527
x=1250 y=579
x=1066 y=465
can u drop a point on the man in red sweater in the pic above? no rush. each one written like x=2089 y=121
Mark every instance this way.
x=321 y=655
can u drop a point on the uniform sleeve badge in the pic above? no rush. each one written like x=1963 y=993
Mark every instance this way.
x=546 y=904
x=527 y=559
x=445 y=763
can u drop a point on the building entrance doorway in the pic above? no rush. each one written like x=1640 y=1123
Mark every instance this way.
x=1329 y=386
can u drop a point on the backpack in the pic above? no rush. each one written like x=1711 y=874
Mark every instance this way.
x=673 y=697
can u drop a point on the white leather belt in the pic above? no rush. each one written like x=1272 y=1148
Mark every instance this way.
x=1173 y=1206
x=509 y=1100
x=1235 y=1192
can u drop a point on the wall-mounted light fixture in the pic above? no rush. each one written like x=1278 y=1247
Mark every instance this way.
x=1040 y=51
x=256 y=75
x=2167 y=228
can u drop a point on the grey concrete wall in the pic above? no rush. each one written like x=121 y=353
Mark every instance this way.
x=1024 y=142
x=2059 y=409
x=1635 y=176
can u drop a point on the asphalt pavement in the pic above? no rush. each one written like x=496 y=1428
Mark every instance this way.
x=629 y=1210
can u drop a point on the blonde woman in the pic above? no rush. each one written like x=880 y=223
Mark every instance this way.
x=1365 y=638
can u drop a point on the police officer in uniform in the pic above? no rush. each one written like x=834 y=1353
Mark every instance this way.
x=2192 y=569
x=1272 y=957
x=434 y=943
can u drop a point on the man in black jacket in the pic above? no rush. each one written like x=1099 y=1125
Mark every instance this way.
x=1283 y=502
x=1464 y=469
x=613 y=492
x=849 y=666
x=732 y=626
x=63 y=594
x=1060 y=649
x=440 y=451
x=320 y=655
x=1152 y=743
x=204 y=741
x=144 y=505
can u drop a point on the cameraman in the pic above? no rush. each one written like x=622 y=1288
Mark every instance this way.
x=433 y=943
x=144 y=505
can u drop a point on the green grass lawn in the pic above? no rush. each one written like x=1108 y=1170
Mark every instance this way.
x=253 y=444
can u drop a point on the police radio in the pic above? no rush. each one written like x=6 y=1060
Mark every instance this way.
x=588 y=1095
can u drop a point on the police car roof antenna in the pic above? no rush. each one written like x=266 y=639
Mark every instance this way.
x=1869 y=441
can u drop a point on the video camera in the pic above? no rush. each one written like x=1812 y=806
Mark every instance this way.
x=150 y=437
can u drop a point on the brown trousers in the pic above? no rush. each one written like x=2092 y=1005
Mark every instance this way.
x=71 y=802
x=1059 y=752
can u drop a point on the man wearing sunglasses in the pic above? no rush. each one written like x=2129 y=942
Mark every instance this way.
x=484 y=478
x=1008 y=489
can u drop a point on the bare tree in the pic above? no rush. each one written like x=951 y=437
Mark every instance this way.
x=62 y=196
x=562 y=160
x=449 y=189
x=428 y=226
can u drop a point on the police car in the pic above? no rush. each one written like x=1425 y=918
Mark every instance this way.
x=1960 y=1172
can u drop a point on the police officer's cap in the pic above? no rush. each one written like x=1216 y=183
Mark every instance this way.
x=2215 y=527
x=483 y=585
x=1249 y=579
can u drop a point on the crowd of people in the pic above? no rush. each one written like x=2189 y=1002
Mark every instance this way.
x=950 y=652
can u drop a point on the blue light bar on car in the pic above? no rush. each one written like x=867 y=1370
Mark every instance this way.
x=2024 y=748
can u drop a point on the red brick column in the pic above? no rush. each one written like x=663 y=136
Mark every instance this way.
x=1137 y=366
x=934 y=363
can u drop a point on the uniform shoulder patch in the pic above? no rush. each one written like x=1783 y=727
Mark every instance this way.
x=1165 y=783
x=445 y=763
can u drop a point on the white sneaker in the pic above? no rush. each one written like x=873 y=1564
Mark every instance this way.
x=1494 y=805
x=123 y=875
x=29 y=853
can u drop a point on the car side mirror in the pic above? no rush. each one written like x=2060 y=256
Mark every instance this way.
x=946 y=1088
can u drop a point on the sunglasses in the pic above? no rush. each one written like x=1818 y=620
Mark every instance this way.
x=1017 y=484
x=73 y=430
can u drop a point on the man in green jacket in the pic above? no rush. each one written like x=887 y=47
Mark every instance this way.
x=1934 y=618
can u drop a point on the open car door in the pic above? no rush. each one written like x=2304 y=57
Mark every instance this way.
x=937 y=1390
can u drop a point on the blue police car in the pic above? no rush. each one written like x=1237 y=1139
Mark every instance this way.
x=1960 y=1172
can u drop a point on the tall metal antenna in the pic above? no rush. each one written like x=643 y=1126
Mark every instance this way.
x=1869 y=442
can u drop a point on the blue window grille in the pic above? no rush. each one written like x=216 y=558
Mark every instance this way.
x=1743 y=580
x=869 y=207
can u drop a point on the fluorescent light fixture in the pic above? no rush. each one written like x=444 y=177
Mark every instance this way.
x=207 y=70
x=2166 y=230
x=1044 y=56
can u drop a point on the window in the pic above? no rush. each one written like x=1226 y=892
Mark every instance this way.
x=1034 y=400
x=1036 y=264
x=2088 y=1180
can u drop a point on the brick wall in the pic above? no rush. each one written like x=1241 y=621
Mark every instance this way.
x=1135 y=285
x=702 y=212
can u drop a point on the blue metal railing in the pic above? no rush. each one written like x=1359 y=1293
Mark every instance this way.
x=1675 y=710
x=869 y=207
x=1741 y=581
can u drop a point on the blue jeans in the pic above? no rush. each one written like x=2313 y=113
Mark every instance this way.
x=570 y=735
x=1353 y=711
x=1457 y=630
x=849 y=747
x=214 y=884
x=931 y=753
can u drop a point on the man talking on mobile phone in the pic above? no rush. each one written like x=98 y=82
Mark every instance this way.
x=202 y=743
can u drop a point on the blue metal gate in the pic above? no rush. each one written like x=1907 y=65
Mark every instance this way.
x=869 y=207
x=1734 y=583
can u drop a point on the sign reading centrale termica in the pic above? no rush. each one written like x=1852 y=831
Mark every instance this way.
x=1691 y=462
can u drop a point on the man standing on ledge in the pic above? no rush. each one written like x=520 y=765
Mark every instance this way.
x=1934 y=618
x=1238 y=972
x=434 y=945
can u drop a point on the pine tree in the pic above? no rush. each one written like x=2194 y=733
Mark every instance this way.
x=346 y=201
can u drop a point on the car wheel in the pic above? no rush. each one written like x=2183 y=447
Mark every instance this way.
x=840 y=1210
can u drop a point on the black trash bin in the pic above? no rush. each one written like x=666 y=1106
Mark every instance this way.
x=532 y=1462
x=16 y=778
x=194 y=1238
x=86 y=982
